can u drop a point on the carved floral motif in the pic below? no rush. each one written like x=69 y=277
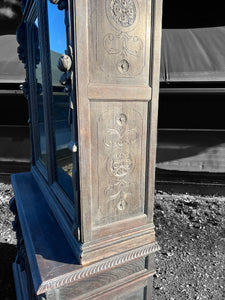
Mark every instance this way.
x=120 y=191
x=123 y=12
x=120 y=163
x=123 y=44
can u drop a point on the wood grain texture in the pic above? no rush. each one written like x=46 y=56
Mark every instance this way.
x=117 y=68
x=153 y=106
x=119 y=92
x=99 y=282
x=50 y=257
x=119 y=42
x=118 y=153
x=138 y=283
x=115 y=62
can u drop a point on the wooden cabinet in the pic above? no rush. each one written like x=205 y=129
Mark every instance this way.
x=85 y=211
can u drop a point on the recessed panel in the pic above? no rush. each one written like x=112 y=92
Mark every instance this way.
x=118 y=160
x=119 y=41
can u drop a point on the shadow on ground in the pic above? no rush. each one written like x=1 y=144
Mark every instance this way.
x=7 y=257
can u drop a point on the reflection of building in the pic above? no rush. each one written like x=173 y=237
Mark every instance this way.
x=14 y=131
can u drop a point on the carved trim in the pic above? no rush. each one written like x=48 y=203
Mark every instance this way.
x=97 y=268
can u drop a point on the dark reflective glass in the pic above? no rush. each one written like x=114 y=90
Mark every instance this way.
x=58 y=44
x=42 y=138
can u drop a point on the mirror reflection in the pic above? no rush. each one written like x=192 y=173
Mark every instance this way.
x=58 y=44
x=42 y=138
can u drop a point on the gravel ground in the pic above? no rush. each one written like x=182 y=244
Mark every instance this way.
x=190 y=230
x=7 y=244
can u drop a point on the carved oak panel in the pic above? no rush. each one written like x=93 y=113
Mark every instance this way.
x=119 y=159
x=119 y=41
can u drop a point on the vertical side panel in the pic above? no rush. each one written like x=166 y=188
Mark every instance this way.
x=118 y=138
x=116 y=45
x=153 y=110
x=83 y=117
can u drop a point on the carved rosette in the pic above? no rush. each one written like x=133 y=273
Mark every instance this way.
x=123 y=12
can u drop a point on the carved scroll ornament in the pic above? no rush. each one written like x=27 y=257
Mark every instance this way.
x=127 y=48
x=120 y=163
x=123 y=45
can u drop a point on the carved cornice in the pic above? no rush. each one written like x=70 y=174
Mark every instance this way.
x=96 y=268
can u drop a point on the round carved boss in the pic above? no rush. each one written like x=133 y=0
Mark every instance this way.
x=122 y=14
x=120 y=164
x=64 y=63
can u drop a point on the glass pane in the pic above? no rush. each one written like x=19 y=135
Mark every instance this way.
x=41 y=124
x=57 y=36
